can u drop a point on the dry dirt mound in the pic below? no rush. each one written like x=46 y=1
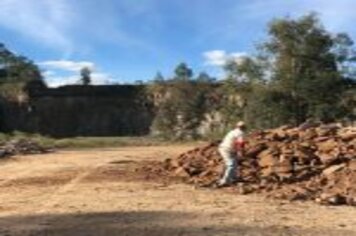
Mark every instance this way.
x=21 y=147
x=304 y=163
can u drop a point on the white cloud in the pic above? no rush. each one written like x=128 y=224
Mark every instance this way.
x=215 y=57
x=42 y=20
x=48 y=73
x=67 y=65
x=56 y=80
x=101 y=78
x=71 y=26
x=221 y=57
x=96 y=79
x=66 y=72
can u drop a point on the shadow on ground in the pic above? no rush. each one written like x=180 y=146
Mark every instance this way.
x=139 y=224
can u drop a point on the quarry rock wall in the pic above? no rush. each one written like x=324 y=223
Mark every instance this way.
x=116 y=110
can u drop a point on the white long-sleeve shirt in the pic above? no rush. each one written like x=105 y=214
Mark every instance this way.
x=229 y=140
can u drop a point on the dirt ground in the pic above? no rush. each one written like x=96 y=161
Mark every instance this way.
x=96 y=192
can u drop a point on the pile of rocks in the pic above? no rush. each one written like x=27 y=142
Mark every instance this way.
x=301 y=163
x=21 y=147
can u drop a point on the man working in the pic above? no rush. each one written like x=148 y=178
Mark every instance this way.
x=230 y=148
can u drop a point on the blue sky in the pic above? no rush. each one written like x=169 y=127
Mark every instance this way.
x=128 y=40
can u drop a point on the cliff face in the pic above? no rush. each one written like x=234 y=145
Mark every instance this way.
x=119 y=110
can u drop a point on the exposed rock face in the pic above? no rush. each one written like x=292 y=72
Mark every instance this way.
x=82 y=111
x=114 y=110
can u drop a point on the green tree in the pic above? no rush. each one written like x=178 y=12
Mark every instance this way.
x=204 y=77
x=183 y=102
x=305 y=66
x=16 y=68
x=183 y=72
x=242 y=91
x=85 y=74
x=158 y=78
x=300 y=72
x=16 y=72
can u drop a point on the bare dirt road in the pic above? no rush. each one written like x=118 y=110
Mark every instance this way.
x=96 y=192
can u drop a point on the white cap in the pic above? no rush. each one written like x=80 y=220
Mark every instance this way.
x=240 y=124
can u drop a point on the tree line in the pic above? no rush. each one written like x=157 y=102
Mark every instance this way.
x=301 y=72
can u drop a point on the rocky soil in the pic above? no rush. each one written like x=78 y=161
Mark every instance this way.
x=315 y=163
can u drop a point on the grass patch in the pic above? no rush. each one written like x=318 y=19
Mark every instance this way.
x=88 y=142
x=97 y=142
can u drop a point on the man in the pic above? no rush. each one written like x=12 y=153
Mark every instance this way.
x=230 y=149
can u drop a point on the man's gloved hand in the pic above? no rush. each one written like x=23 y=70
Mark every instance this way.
x=239 y=147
